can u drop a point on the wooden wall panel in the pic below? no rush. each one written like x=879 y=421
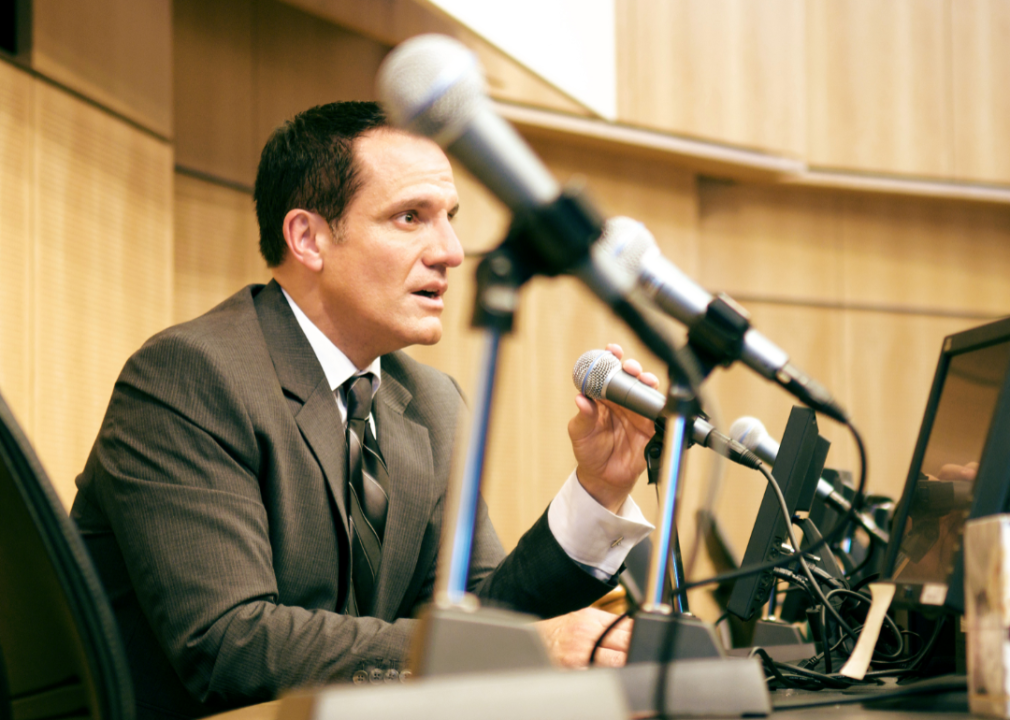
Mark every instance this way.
x=116 y=52
x=981 y=102
x=822 y=274
x=15 y=241
x=815 y=340
x=773 y=242
x=216 y=246
x=878 y=86
x=891 y=360
x=926 y=254
x=392 y=21
x=102 y=229
x=728 y=70
x=300 y=61
x=243 y=67
x=213 y=88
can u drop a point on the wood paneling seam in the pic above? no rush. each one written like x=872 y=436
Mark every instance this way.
x=883 y=308
x=84 y=98
x=213 y=179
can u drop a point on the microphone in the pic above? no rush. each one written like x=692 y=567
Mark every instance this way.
x=935 y=496
x=633 y=247
x=433 y=85
x=598 y=375
x=751 y=432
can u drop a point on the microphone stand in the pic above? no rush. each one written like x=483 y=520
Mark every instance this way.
x=664 y=629
x=668 y=644
x=457 y=635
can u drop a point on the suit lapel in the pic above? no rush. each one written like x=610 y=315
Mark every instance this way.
x=406 y=448
x=303 y=381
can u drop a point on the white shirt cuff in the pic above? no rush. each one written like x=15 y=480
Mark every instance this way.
x=590 y=534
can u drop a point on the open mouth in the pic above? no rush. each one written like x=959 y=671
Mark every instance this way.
x=428 y=294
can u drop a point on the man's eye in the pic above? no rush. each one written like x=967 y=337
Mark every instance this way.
x=409 y=217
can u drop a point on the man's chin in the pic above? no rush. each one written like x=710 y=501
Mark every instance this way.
x=428 y=335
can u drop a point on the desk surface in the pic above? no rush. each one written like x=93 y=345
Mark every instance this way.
x=940 y=699
x=833 y=705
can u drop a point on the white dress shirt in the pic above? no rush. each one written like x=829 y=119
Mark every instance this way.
x=591 y=535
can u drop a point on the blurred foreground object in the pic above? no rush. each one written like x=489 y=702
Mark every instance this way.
x=987 y=614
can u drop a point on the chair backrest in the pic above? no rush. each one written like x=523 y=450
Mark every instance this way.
x=60 y=652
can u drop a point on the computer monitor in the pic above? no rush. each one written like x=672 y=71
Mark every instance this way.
x=955 y=472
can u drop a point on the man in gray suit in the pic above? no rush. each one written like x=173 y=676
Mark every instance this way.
x=258 y=520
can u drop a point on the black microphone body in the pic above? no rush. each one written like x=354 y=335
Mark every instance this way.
x=598 y=374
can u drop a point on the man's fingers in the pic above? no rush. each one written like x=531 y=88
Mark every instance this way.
x=617 y=640
x=585 y=421
x=649 y=379
x=632 y=367
x=610 y=658
x=625 y=625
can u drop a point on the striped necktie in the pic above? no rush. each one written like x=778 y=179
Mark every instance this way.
x=368 y=499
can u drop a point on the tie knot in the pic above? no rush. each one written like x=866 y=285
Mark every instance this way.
x=359 y=397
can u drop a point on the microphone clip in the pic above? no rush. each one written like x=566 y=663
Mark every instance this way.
x=543 y=240
x=718 y=336
x=554 y=238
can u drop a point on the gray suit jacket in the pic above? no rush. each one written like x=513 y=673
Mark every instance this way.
x=213 y=506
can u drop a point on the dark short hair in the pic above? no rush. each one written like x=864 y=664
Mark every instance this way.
x=308 y=163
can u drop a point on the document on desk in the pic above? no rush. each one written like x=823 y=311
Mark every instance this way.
x=881 y=595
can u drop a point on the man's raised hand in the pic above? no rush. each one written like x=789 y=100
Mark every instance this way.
x=609 y=442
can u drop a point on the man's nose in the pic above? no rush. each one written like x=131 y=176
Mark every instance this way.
x=445 y=247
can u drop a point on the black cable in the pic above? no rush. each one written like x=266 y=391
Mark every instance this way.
x=887 y=620
x=828 y=661
x=925 y=688
x=865 y=561
x=831 y=536
x=824 y=575
x=838 y=683
x=928 y=647
x=814 y=585
x=603 y=635
x=788 y=681
x=811 y=662
x=865 y=581
x=795 y=579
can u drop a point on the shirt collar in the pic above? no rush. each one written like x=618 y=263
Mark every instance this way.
x=336 y=365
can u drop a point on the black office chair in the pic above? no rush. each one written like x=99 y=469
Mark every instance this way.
x=60 y=652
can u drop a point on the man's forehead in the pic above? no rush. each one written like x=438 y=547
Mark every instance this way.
x=386 y=144
x=397 y=159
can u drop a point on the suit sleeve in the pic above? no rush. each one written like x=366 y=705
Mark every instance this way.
x=538 y=577
x=176 y=472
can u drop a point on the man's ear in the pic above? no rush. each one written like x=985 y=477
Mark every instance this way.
x=302 y=230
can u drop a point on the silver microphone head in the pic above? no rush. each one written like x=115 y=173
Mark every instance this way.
x=432 y=85
x=751 y=433
x=592 y=370
x=626 y=241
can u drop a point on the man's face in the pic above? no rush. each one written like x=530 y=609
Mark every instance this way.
x=385 y=271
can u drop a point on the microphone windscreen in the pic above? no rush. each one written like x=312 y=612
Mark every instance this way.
x=748 y=431
x=432 y=85
x=592 y=370
x=626 y=241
